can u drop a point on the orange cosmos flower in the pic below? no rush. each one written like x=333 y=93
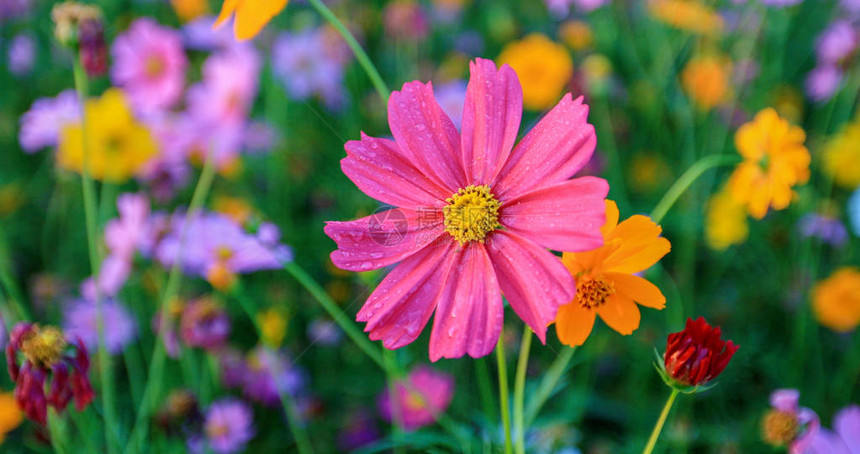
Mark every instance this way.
x=251 y=15
x=775 y=160
x=836 y=300
x=606 y=280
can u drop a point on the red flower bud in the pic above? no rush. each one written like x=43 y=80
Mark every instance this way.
x=92 y=47
x=696 y=355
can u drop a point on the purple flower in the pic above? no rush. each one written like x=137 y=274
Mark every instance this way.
x=780 y=3
x=215 y=243
x=419 y=399
x=561 y=8
x=324 y=332
x=846 y=437
x=359 y=431
x=228 y=426
x=822 y=82
x=851 y=6
x=787 y=424
x=204 y=324
x=837 y=42
x=13 y=9
x=451 y=98
x=229 y=86
x=200 y=34
x=828 y=229
x=259 y=137
x=41 y=125
x=302 y=64
x=269 y=373
x=854 y=211
x=22 y=54
x=81 y=321
x=149 y=63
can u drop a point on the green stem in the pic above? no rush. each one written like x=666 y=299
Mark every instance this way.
x=484 y=387
x=353 y=44
x=155 y=375
x=56 y=432
x=655 y=434
x=7 y=282
x=302 y=443
x=683 y=183
x=519 y=391
x=503 y=392
x=91 y=217
x=547 y=384
x=339 y=317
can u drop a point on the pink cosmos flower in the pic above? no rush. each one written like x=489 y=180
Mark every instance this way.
x=474 y=215
x=149 y=63
x=419 y=399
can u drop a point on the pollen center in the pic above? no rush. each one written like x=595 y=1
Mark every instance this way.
x=43 y=346
x=592 y=291
x=780 y=427
x=471 y=214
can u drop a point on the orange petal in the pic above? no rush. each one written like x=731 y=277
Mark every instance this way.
x=227 y=10
x=638 y=289
x=253 y=15
x=573 y=324
x=611 y=218
x=620 y=313
x=641 y=246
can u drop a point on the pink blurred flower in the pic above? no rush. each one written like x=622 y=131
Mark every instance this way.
x=788 y=423
x=204 y=324
x=406 y=19
x=519 y=197
x=149 y=63
x=837 y=42
x=229 y=86
x=822 y=82
x=845 y=439
x=419 y=399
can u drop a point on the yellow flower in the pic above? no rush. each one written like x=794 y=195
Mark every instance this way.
x=11 y=198
x=836 y=300
x=775 y=160
x=842 y=157
x=726 y=222
x=576 y=34
x=119 y=145
x=597 y=69
x=273 y=327
x=706 y=80
x=648 y=172
x=606 y=280
x=235 y=208
x=543 y=66
x=10 y=415
x=687 y=15
x=188 y=10
x=251 y=15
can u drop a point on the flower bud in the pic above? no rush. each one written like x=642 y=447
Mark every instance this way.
x=695 y=356
x=80 y=28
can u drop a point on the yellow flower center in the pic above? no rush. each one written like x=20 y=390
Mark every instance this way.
x=43 y=347
x=592 y=291
x=779 y=428
x=471 y=214
x=154 y=67
x=414 y=401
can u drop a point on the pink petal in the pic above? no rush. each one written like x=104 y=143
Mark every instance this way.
x=379 y=168
x=556 y=148
x=491 y=119
x=401 y=305
x=534 y=281
x=847 y=424
x=383 y=238
x=426 y=135
x=470 y=312
x=566 y=216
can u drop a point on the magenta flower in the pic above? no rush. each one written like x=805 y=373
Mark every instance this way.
x=204 y=324
x=419 y=399
x=475 y=214
x=149 y=63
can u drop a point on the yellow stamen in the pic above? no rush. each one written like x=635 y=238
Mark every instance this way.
x=43 y=346
x=593 y=291
x=472 y=213
x=779 y=428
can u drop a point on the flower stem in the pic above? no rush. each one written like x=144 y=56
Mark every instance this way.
x=683 y=183
x=303 y=445
x=655 y=434
x=56 y=432
x=547 y=384
x=353 y=44
x=503 y=392
x=519 y=391
x=91 y=219
x=155 y=375
x=339 y=317
x=7 y=282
